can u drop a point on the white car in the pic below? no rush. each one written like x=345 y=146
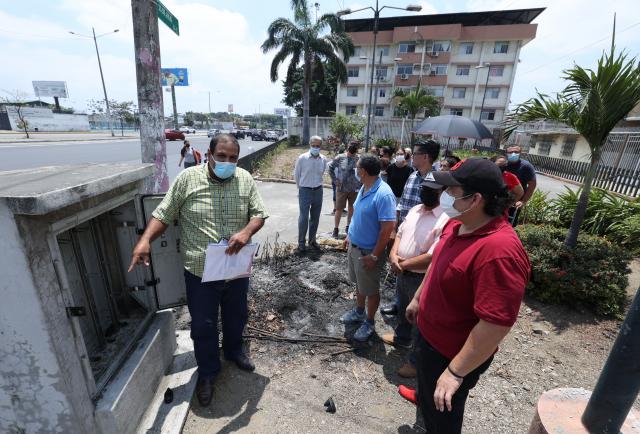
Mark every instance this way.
x=271 y=135
x=212 y=132
x=186 y=129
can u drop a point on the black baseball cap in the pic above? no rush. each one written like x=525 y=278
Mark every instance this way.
x=478 y=174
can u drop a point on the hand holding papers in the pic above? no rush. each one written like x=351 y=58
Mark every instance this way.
x=220 y=266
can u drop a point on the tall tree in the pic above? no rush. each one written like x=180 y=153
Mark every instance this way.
x=308 y=43
x=323 y=94
x=415 y=100
x=593 y=102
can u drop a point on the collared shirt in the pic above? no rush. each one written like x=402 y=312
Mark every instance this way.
x=415 y=232
x=208 y=210
x=309 y=170
x=524 y=171
x=341 y=169
x=477 y=276
x=370 y=208
x=410 y=194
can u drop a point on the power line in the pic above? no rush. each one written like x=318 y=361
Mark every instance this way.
x=579 y=49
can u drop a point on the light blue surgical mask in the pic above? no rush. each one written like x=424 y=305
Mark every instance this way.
x=513 y=157
x=314 y=152
x=223 y=169
x=355 y=170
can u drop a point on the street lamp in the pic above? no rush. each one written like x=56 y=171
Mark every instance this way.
x=104 y=88
x=486 y=83
x=376 y=16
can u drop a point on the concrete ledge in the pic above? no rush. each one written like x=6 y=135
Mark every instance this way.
x=285 y=181
x=128 y=395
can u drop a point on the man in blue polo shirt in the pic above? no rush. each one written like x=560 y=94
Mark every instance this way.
x=372 y=223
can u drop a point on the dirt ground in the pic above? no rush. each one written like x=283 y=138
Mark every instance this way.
x=282 y=164
x=549 y=347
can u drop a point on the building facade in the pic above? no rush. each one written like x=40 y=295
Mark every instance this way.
x=442 y=53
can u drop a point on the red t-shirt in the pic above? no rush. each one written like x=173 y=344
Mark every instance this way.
x=481 y=275
x=510 y=179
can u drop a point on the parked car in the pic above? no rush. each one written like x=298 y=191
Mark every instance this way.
x=212 y=132
x=238 y=134
x=271 y=135
x=173 y=135
x=186 y=129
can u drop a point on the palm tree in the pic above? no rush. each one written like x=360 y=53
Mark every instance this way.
x=307 y=42
x=592 y=104
x=416 y=100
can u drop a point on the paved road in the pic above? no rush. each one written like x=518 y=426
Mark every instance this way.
x=15 y=156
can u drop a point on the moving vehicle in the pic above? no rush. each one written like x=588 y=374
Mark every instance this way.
x=238 y=134
x=271 y=135
x=212 y=132
x=171 y=135
x=186 y=129
x=258 y=135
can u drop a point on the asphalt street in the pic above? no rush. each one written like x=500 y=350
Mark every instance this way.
x=14 y=156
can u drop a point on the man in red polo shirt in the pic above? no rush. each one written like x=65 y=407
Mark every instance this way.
x=471 y=294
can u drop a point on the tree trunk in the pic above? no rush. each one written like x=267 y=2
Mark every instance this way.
x=306 y=88
x=571 y=240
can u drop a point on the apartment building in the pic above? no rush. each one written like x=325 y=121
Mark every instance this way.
x=442 y=52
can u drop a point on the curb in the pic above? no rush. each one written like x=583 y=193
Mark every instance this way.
x=33 y=141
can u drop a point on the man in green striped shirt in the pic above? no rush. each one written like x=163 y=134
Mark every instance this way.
x=214 y=202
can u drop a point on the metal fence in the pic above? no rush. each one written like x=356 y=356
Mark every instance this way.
x=618 y=170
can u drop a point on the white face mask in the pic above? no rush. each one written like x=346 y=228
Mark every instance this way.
x=399 y=159
x=447 y=201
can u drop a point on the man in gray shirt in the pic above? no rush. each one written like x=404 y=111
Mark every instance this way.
x=308 y=174
x=342 y=172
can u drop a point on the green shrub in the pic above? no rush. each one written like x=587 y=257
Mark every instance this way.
x=293 y=140
x=538 y=210
x=386 y=141
x=594 y=275
x=627 y=233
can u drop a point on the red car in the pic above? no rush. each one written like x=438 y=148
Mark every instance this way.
x=173 y=135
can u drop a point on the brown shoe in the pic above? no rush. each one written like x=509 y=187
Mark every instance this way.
x=204 y=391
x=390 y=339
x=407 y=371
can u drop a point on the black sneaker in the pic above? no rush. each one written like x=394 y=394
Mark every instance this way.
x=335 y=233
x=204 y=391
x=314 y=245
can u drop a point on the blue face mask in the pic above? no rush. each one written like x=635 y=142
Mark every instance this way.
x=357 y=176
x=224 y=170
x=314 y=152
x=513 y=157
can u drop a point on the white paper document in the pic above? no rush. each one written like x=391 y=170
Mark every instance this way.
x=220 y=266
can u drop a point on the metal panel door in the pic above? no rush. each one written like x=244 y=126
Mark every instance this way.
x=166 y=261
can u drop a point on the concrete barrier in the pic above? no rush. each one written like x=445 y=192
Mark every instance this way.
x=249 y=162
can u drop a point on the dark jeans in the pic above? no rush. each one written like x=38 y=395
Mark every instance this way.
x=203 y=300
x=514 y=213
x=187 y=165
x=431 y=364
x=406 y=286
x=310 y=201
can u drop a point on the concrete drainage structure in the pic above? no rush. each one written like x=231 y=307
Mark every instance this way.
x=83 y=344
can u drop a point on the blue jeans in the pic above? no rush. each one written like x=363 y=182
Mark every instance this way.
x=203 y=300
x=310 y=201
x=406 y=286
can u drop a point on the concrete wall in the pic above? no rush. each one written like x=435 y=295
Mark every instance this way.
x=46 y=120
x=31 y=383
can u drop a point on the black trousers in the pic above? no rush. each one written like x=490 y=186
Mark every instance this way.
x=431 y=364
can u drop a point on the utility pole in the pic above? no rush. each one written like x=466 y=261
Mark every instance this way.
x=104 y=88
x=377 y=87
x=150 y=106
x=209 y=112
x=175 y=107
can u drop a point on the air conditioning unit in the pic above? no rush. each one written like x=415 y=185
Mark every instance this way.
x=404 y=76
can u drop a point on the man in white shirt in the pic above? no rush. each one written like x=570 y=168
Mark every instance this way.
x=410 y=257
x=308 y=174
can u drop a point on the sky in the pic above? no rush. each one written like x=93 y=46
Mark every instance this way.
x=220 y=42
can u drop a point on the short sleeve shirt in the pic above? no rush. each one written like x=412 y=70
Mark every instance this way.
x=370 y=208
x=473 y=277
x=524 y=171
x=510 y=179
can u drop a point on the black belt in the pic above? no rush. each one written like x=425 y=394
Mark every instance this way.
x=312 y=188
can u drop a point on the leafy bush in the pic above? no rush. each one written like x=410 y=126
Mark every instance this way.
x=293 y=140
x=386 y=141
x=594 y=275
x=347 y=127
x=538 y=210
x=627 y=233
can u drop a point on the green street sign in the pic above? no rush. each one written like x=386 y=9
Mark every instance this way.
x=168 y=18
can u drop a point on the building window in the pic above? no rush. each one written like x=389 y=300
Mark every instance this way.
x=405 y=68
x=357 y=51
x=568 y=147
x=440 y=69
x=466 y=48
x=351 y=109
x=381 y=71
x=496 y=71
x=459 y=92
x=493 y=92
x=407 y=47
x=463 y=69
x=352 y=91
x=436 y=90
x=382 y=92
x=353 y=71
x=545 y=147
x=385 y=51
x=488 y=115
x=441 y=46
x=455 y=111
x=379 y=110
x=501 y=47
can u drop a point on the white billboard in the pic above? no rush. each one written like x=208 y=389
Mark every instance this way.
x=50 y=88
x=282 y=112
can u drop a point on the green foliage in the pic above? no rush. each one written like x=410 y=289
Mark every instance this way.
x=381 y=142
x=416 y=100
x=594 y=275
x=538 y=210
x=347 y=127
x=322 y=94
x=293 y=140
x=627 y=233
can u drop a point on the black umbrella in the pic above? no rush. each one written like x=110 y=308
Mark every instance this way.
x=453 y=126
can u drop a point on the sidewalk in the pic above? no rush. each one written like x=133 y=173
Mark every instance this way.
x=71 y=136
